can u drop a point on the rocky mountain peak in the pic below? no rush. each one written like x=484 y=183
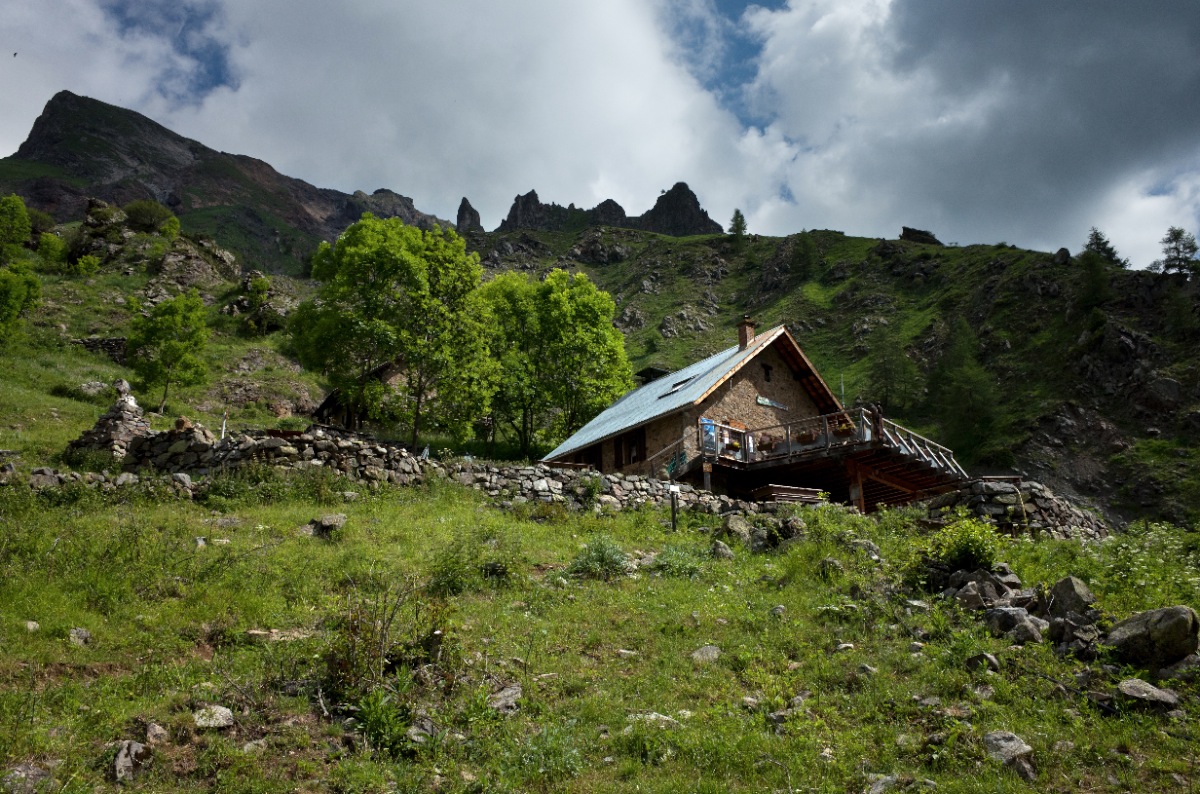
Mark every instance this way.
x=468 y=219
x=679 y=214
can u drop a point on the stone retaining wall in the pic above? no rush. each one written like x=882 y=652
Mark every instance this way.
x=1019 y=507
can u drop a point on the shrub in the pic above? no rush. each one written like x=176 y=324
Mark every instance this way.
x=600 y=559
x=39 y=221
x=678 y=560
x=474 y=558
x=384 y=721
x=53 y=250
x=966 y=544
x=86 y=265
x=369 y=640
x=146 y=215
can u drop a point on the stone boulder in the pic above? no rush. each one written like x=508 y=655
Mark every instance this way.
x=1157 y=638
x=1070 y=595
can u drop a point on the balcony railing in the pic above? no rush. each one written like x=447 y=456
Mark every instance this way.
x=812 y=434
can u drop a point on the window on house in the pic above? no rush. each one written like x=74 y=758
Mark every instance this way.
x=767 y=372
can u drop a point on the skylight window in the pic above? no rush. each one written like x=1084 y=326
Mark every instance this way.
x=676 y=387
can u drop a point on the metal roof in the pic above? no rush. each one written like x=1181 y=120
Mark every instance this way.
x=666 y=395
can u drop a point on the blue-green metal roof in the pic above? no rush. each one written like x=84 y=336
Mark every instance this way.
x=664 y=396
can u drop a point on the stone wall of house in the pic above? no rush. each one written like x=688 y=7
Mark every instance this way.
x=1022 y=507
x=737 y=398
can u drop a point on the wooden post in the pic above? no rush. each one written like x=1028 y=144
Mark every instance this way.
x=674 y=507
x=857 y=497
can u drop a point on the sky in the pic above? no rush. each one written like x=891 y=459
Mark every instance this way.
x=1018 y=121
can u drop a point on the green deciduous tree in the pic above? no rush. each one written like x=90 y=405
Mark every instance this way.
x=166 y=344
x=146 y=215
x=399 y=327
x=561 y=360
x=15 y=227
x=1095 y=284
x=53 y=251
x=19 y=291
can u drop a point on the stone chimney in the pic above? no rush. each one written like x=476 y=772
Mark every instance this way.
x=745 y=332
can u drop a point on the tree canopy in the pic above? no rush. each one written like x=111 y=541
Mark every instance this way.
x=737 y=226
x=1098 y=244
x=15 y=226
x=398 y=326
x=1179 y=252
x=561 y=360
x=166 y=344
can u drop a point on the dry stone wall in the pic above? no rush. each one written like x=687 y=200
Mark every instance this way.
x=193 y=451
x=1021 y=507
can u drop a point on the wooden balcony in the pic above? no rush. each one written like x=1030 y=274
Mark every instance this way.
x=867 y=460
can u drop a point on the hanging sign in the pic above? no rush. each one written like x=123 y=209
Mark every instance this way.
x=769 y=402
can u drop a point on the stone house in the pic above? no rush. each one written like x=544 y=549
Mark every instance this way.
x=757 y=419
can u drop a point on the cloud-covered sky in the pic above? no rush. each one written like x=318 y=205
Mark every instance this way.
x=1021 y=121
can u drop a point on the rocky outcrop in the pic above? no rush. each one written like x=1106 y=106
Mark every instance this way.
x=114 y=347
x=676 y=213
x=918 y=236
x=1156 y=638
x=468 y=219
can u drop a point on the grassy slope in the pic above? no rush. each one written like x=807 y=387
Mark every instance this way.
x=169 y=622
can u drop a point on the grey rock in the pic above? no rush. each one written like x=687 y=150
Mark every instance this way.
x=734 y=526
x=505 y=701
x=156 y=734
x=1137 y=690
x=1157 y=638
x=829 y=568
x=1002 y=620
x=721 y=551
x=326 y=526
x=213 y=717
x=778 y=610
x=131 y=756
x=32 y=626
x=1070 y=595
x=1025 y=632
x=1005 y=746
x=706 y=654
x=79 y=637
x=181 y=479
x=26 y=779
x=985 y=661
x=969 y=597
x=866 y=547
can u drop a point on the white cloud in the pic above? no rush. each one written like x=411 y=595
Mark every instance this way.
x=1020 y=121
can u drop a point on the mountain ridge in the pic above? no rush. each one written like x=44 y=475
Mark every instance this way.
x=80 y=148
